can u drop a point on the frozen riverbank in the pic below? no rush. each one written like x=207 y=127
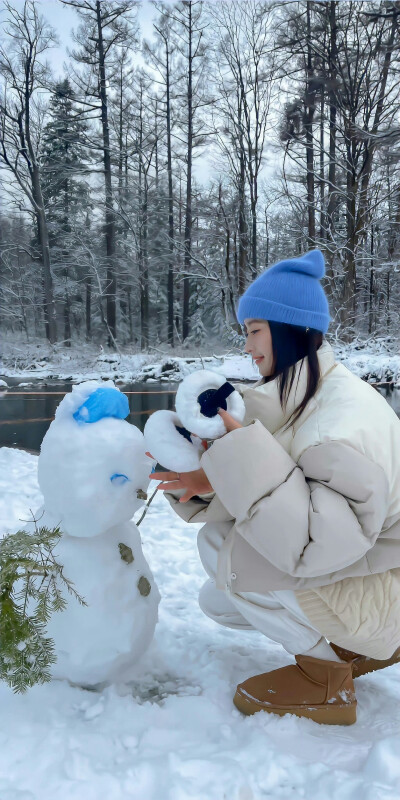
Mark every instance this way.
x=173 y=733
x=376 y=360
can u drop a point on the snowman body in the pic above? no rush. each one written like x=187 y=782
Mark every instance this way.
x=93 y=473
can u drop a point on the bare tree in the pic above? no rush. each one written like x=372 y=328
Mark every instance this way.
x=351 y=51
x=24 y=74
x=161 y=57
x=245 y=78
x=106 y=28
x=189 y=29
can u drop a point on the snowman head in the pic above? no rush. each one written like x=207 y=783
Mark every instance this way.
x=92 y=463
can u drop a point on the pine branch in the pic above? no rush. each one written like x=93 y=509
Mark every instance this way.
x=31 y=583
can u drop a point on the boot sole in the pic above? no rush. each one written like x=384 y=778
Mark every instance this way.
x=367 y=665
x=372 y=665
x=325 y=715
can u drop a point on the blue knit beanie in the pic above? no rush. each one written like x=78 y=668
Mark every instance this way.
x=290 y=292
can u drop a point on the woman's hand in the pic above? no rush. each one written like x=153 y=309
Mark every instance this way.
x=231 y=424
x=195 y=482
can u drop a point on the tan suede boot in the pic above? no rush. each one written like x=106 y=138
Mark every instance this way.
x=362 y=665
x=319 y=690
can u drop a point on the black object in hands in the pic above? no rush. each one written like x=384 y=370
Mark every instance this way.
x=184 y=432
x=159 y=468
x=213 y=399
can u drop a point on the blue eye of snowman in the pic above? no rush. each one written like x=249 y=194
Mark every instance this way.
x=118 y=479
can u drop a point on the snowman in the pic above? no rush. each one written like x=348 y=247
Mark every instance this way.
x=93 y=473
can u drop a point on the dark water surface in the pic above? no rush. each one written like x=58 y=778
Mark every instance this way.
x=26 y=412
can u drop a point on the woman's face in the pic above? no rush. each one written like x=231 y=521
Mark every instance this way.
x=259 y=345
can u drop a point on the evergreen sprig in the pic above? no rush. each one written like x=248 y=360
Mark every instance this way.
x=31 y=583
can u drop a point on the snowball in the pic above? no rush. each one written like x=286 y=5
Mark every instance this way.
x=170 y=447
x=189 y=409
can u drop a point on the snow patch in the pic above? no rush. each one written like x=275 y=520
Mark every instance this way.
x=172 y=731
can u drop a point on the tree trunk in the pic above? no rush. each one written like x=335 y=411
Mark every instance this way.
x=111 y=290
x=43 y=234
x=143 y=260
x=243 y=242
x=129 y=303
x=332 y=192
x=361 y=222
x=188 y=216
x=67 y=320
x=170 y=284
x=266 y=239
x=308 y=125
x=394 y=232
x=322 y=170
x=349 y=285
x=357 y=218
x=66 y=229
x=156 y=146
x=253 y=240
x=48 y=290
x=371 y=301
x=229 y=281
x=388 y=300
x=88 y=307
x=144 y=299
x=120 y=137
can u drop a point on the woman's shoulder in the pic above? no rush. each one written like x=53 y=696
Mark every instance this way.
x=342 y=394
x=349 y=410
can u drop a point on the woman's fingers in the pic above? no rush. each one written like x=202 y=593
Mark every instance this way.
x=164 y=476
x=195 y=482
x=170 y=481
x=231 y=424
x=170 y=486
x=187 y=496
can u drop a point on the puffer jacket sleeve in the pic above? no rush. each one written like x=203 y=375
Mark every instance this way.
x=308 y=518
x=201 y=508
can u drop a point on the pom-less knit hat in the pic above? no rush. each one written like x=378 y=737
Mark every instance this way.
x=290 y=292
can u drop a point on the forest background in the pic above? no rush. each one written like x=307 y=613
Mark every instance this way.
x=153 y=176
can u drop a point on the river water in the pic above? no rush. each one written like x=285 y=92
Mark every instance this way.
x=26 y=412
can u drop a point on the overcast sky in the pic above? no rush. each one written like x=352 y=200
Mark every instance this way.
x=64 y=19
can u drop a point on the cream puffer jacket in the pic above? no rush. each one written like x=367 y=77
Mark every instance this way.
x=314 y=507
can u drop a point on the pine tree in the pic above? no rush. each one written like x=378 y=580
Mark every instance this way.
x=31 y=582
x=66 y=192
x=64 y=154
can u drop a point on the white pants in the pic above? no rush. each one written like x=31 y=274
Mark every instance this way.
x=277 y=615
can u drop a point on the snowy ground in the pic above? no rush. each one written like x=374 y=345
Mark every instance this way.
x=375 y=360
x=173 y=733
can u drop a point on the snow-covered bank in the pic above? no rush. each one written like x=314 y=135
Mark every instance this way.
x=375 y=360
x=173 y=733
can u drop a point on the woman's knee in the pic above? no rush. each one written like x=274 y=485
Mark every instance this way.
x=209 y=544
x=216 y=605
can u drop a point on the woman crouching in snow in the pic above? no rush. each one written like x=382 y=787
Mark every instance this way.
x=302 y=534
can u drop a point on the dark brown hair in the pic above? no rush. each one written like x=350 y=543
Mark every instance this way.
x=291 y=344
